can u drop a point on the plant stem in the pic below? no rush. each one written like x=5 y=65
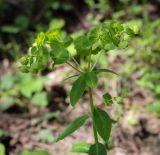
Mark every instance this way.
x=73 y=67
x=75 y=61
x=89 y=63
x=99 y=55
x=92 y=109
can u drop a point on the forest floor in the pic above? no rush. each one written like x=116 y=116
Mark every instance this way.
x=136 y=133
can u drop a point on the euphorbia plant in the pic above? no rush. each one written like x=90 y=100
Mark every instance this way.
x=51 y=48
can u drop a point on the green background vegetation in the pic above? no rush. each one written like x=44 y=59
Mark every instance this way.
x=138 y=65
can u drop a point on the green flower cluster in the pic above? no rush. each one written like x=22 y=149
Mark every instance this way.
x=52 y=45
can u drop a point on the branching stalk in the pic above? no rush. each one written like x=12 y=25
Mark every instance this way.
x=89 y=63
x=94 y=65
x=74 y=67
x=92 y=109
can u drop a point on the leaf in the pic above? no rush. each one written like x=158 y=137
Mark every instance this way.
x=22 y=22
x=81 y=147
x=40 y=152
x=2 y=134
x=95 y=35
x=2 y=149
x=107 y=99
x=10 y=29
x=123 y=44
x=24 y=60
x=104 y=70
x=53 y=35
x=6 y=102
x=27 y=81
x=24 y=69
x=6 y=82
x=45 y=136
x=77 y=90
x=40 y=99
x=56 y=24
x=103 y=123
x=82 y=45
x=64 y=40
x=91 y=79
x=40 y=39
x=59 y=55
x=105 y=34
x=89 y=148
x=129 y=31
x=77 y=123
x=101 y=150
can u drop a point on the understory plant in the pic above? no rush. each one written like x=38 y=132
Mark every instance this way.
x=51 y=48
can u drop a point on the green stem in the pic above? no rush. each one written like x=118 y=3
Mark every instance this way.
x=89 y=63
x=74 y=67
x=76 y=63
x=99 y=55
x=92 y=109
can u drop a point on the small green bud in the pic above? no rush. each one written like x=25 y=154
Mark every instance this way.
x=24 y=60
x=40 y=39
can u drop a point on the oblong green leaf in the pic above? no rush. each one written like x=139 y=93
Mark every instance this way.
x=101 y=150
x=103 y=123
x=82 y=45
x=59 y=55
x=39 y=152
x=77 y=90
x=91 y=79
x=77 y=123
x=107 y=99
x=89 y=148
x=81 y=147
x=104 y=70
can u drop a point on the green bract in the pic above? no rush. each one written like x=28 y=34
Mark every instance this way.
x=82 y=46
x=59 y=55
x=52 y=48
x=91 y=79
x=52 y=45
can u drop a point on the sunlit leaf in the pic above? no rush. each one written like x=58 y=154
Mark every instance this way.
x=40 y=39
x=2 y=149
x=40 y=99
x=40 y=152
x=89 y=148
x=81 y=147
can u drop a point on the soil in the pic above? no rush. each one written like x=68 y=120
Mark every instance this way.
x=139 y=138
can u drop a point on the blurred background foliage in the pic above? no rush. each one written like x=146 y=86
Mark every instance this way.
x=138 y=65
